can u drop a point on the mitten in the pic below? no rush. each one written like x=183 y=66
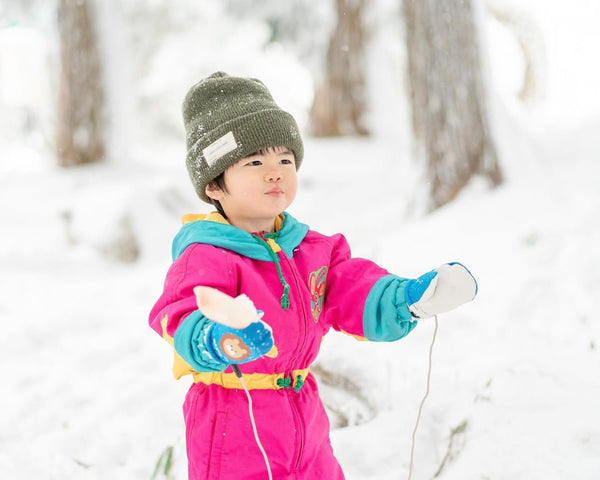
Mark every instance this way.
x=232 y=345
x=238 y=334
x=440 y=290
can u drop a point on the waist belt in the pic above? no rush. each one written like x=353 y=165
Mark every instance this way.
x=254 y=381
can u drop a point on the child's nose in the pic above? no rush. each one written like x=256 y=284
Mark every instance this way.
x=273 y=175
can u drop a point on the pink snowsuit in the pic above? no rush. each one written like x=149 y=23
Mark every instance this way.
x=325 y=288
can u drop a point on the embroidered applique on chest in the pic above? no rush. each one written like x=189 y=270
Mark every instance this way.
x=316 y=283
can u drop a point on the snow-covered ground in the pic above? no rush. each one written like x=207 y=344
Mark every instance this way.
x=87 y=391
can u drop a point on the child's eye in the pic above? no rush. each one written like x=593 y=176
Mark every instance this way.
x=254 y=163
x=287 y=161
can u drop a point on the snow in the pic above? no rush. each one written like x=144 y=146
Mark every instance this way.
x=87 y=389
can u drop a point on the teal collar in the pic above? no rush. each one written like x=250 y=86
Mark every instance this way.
x=226 y=236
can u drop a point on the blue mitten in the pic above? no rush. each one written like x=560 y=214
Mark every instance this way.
x=440 y=290
x=232 y=345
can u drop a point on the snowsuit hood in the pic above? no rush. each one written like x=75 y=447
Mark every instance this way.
x=213 y=229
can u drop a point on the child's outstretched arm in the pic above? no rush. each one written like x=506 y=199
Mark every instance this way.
x=394 y=304
x=191 y=331
x=367 y=301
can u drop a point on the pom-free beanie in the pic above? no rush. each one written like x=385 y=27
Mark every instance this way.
x=228 y=118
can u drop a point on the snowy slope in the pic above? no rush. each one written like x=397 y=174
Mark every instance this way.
x=87 y=387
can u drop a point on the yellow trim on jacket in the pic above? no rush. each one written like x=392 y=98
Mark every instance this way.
x=254 y=381
x=217 y=217
x=180 y=366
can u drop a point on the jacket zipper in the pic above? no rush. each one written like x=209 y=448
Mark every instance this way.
x=304 y=319
x=291 y=393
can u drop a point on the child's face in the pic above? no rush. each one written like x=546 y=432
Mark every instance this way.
x=259 y=188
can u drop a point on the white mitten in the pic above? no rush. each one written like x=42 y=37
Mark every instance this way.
x=238 y=335
x=440 y=290
x=219 y=307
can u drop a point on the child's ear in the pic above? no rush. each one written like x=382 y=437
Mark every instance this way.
x=213 y=191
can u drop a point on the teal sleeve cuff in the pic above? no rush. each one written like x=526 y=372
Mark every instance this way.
x=386 y=316
x=189 y=342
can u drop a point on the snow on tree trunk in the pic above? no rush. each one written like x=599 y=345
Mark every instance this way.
x=447 y=96
x=80 y=130
x=530 y=39
x=339 y=101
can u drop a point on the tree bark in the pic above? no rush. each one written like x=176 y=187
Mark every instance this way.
x=447 y=96
x=80 y=128
x=340 y=97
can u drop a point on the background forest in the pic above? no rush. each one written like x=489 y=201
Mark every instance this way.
x=434 y=131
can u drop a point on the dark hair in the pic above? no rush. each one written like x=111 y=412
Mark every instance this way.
x=218 y=182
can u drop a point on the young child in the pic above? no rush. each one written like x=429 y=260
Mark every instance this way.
x=243 y=152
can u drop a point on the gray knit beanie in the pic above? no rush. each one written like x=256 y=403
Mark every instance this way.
x=229 y=118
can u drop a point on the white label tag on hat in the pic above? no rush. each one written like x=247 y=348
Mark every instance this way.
x=219 y=147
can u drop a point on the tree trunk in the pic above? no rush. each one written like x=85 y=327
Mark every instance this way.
x=80 y=129
x=447 y=96
x=339 y=102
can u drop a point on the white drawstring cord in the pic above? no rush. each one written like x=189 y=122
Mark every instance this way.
x=414 y=433
x=412 y=448
x=238 y=373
